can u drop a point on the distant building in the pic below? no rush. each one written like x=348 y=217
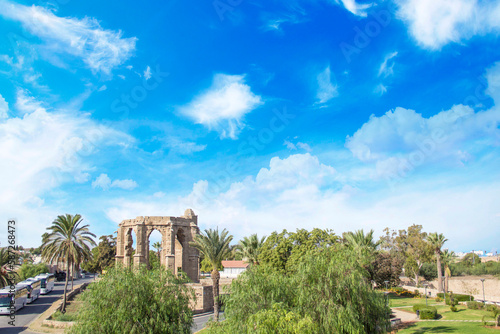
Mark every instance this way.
x=233 y=268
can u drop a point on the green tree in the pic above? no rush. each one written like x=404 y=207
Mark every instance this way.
x=103 y=256
x=329 y=287
x=249 y=248
x=6 y=274
x=157 y=246
x=447 y=258
x=470 y=260
x=137 y=300
x=385 y=267
x=437 y=241
x=67 y=242
x=415 y=248
x=215 y=247
x=28 y=270
x=284 y=251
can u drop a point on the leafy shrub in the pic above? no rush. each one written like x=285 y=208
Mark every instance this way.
x=429 y=271
x=491 y=308
x=419 y=307
x=416 y=293
x=429 y=312
x=457 y=296
x=473 y=305
x=58 y=316
x=454 y=309
x=330 y=287
x=438 y=300
x=28 y=270
x=137 y=300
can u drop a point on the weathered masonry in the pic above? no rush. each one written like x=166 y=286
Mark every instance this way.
x=175 y=253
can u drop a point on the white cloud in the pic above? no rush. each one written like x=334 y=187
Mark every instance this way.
x=387 y=67
x=102 y=88
x=223 y=105
x=100 y=49
x=184 y=147
x=301 y=192
x=402 y=139
x=355 y=7
x=435 y=23
x=380 y=89
x=147 y=73
x=41 y=151
x=104 y=182
x=326 y=89
x=4 y=108
x=292 y=146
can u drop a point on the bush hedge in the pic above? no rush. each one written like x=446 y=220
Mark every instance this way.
x=457 y=296
x=425 y=312
x=473 y=305
x=491 y=308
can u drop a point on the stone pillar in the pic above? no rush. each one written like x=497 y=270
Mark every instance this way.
x=170 y=248
x=139 y=256
x=120 y=247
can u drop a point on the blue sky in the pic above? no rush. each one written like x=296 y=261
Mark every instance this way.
x=258 y=115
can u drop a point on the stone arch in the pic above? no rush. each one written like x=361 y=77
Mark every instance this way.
x=149 y=244
x=176 y=234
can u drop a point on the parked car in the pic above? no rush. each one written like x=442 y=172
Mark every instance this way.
x=60 y=276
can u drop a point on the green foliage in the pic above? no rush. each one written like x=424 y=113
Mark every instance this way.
x=284 y=251
x=249 y=248
x=59 y=316
x=67 y=242
x=429 y=271
x=438 y=300
x=103 y=256
x=425 y=312
x=136 y=301
x=456 y=298
x=491 y=308
x=6 y=273
x=28 y=270
x=453 y=309
x=386 y=266
x=470 y=260
x=479 y=269
x=473 y=305
x=154 y=260
x=279 y=320
x=330 y=287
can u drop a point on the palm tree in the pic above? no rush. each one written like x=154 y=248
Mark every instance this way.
x=157 y=246
x=5 y=273
x=69 y=242
x=215 y=247
x=358 y=240
x=447 y=257
x=249 y=248
x=437 y=241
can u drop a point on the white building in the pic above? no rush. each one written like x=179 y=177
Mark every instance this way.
x=233 y=268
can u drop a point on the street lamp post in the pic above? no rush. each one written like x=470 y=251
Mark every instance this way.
x=484 y=299
x=425 y=286
x=386 y=282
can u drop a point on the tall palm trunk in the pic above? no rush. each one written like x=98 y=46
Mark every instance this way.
x=440 y=272
x=63 y=308
x=215 y=289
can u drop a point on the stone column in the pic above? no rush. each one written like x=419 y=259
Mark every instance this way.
x=170 y=248
x=139 y=256
x=120 y=247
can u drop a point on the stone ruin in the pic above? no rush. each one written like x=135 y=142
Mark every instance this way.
x=176 y=232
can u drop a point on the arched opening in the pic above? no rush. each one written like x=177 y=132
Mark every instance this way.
x=180 y=240
x=154 y=252
x=130 y=246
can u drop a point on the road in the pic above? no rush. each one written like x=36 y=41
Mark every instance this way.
x=31 y=311
x=200 y=320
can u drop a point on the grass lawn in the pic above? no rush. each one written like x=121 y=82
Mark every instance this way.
x=395 y=301
x=447 y=327
x=72 y=309
x=462 y=314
